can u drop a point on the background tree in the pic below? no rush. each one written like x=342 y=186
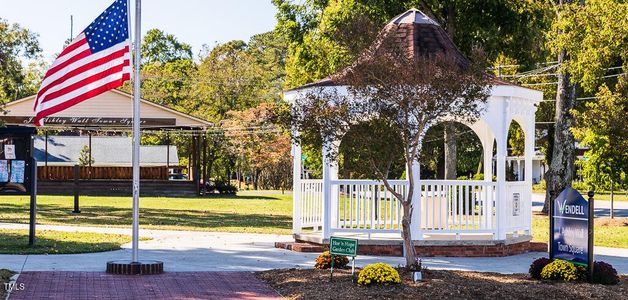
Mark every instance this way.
x=588 y=40
x=85 y=158
x=16 y=43
x=161 y=47
x=603 y=127
x=260 y=145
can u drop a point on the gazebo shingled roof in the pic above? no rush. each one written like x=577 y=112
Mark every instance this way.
x=424 y=37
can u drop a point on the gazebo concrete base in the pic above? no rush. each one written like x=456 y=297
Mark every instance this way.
x=424 y=248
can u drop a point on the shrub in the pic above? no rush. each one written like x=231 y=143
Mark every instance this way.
x=560 y=270
x=378 y=273
x=604 y=273
x=225 y=188
x=537 y=266
x=582 y=272
x=323 y=261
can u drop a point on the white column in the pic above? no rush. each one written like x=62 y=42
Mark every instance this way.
x=529 y=175
x=501 y=138
x=333 y=174
x=501 y=187
x=487 y=149
x=519 y=170
x=415 y=226
x=296 y=188
x=529 y=150
x=328 y=176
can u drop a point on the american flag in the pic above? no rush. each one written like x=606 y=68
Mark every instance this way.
x=97 y=60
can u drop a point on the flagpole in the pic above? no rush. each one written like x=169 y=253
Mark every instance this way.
x=136 y=129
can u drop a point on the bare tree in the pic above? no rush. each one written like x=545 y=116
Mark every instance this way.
x=396 y=90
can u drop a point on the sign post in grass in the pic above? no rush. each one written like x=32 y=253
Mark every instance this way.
x=343 y=246
x=571 y=228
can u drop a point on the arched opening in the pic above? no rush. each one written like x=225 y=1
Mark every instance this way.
x=515 y=160
x=368 y=148
x=468 y=152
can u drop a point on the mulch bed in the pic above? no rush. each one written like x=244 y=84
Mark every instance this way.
x=437 y=284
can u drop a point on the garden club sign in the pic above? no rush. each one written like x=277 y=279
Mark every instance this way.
x=343 y=246
x=571 y=227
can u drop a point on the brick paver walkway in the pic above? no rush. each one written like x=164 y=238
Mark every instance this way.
x=188 y=285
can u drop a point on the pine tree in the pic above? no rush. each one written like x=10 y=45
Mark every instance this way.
x=85 y=158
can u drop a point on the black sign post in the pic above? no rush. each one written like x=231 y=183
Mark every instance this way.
x=33 y=204
x=571 y=228
x=18 y=168
x=591 y=223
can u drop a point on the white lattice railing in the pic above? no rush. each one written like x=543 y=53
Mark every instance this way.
x=458 y=206
x=447 y=207
x=311 y=202
x=366 y=206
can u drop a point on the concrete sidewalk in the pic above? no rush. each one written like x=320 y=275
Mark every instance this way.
x=186 y=251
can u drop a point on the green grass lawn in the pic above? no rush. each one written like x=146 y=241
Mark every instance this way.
x=58 y=242
x=250 y=211
x=261 y=212
x=607 y=232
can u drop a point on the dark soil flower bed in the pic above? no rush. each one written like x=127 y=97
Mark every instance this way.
x=314 y=284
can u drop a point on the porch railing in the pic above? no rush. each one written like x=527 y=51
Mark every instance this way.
x=311 y=203
x=447 y=207
x=457 y=206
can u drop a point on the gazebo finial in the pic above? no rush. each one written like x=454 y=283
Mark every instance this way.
x=413 y=16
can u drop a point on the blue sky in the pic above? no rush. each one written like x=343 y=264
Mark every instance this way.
x=196 y=22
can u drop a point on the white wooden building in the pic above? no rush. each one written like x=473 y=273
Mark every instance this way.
x=445 y=210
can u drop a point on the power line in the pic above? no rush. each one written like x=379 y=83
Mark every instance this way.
x=577 y=99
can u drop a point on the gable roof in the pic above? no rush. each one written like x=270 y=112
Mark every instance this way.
x=113 y=104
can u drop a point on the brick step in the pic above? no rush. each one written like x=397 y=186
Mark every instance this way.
x=301 y=247
x=427 y=251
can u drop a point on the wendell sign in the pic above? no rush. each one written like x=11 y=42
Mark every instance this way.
x=572 y=234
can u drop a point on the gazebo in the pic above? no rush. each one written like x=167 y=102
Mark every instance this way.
x=446 y=212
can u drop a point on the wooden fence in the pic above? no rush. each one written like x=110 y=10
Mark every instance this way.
x=61 y=173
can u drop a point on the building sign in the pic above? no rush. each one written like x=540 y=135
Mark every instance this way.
x=570 y=236
x=516 y=204
x=91 y=121
x=343 y=246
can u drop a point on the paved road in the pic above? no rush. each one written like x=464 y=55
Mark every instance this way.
x=602 y=208
x=185 y=251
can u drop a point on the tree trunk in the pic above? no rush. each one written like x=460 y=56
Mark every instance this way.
x=450 y=152
x=561 y=169
x=612 y=198
x=255 y=178
x=410 y=253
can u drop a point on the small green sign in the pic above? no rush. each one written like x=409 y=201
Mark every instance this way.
x=343 y=246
